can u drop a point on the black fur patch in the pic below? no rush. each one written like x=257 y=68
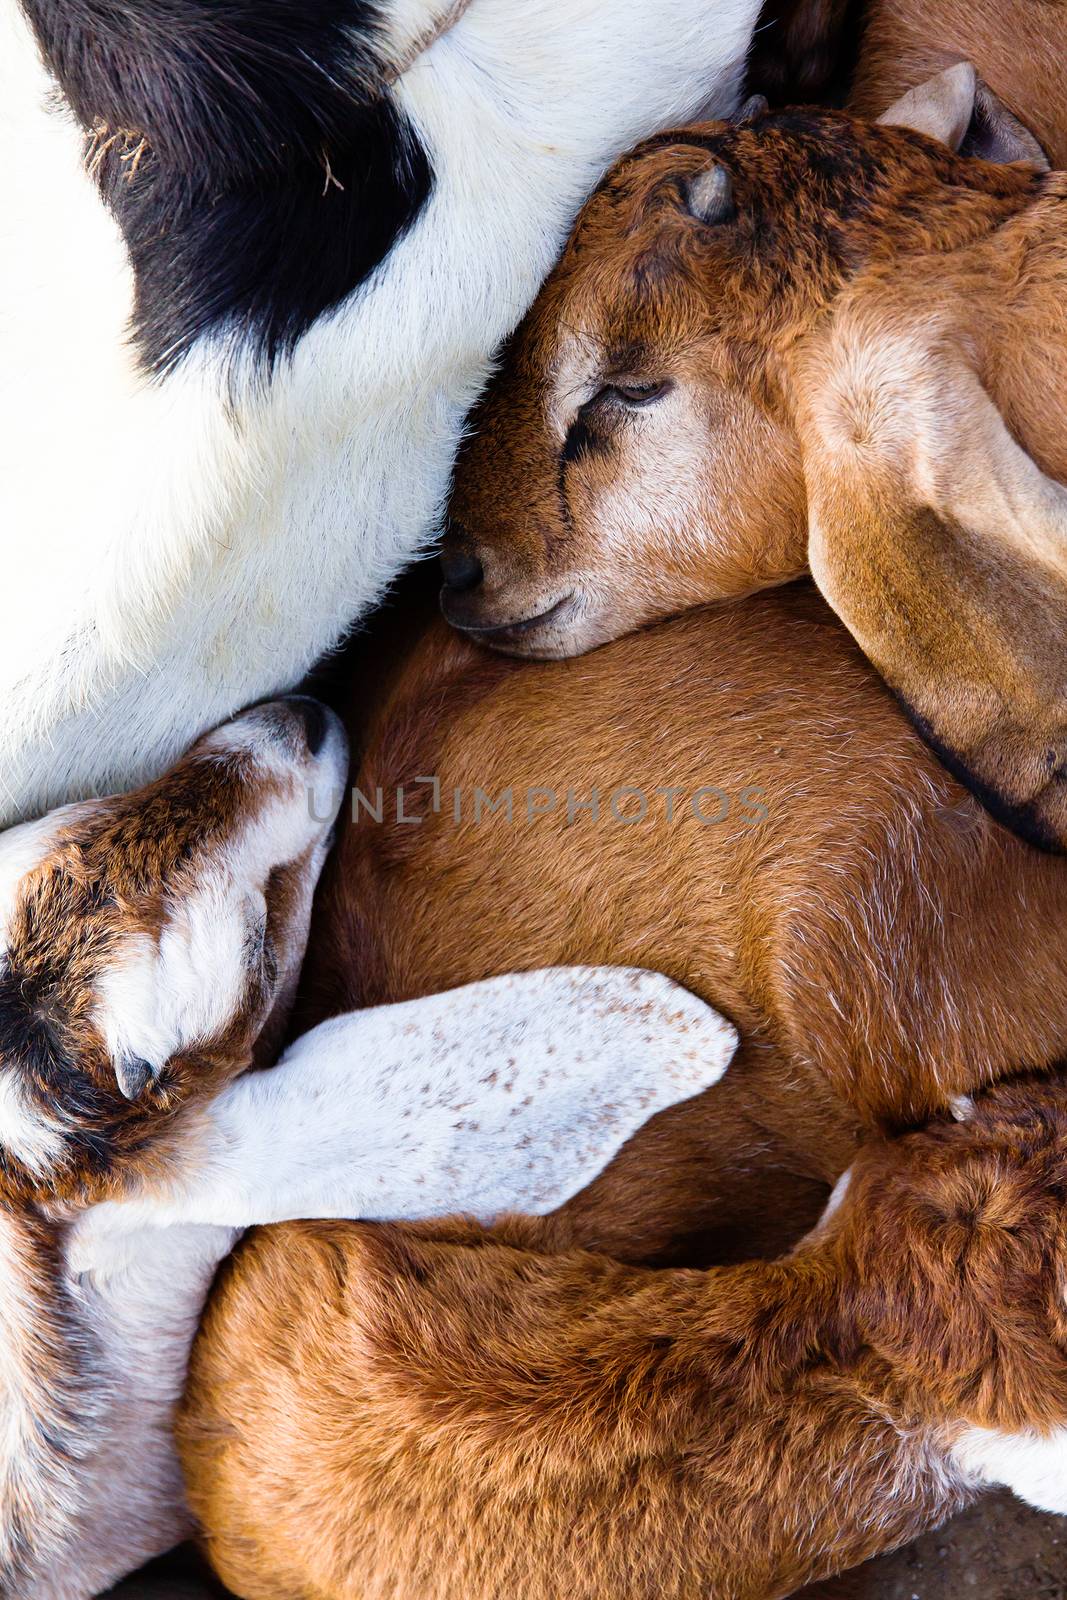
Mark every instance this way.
x=33 y=1044
x=274 y=173
x=582 y=440
x=1022 y=820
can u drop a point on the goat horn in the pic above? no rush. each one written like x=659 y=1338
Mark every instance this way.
x=710 y=195
x=755 y=106
x=133 y=1076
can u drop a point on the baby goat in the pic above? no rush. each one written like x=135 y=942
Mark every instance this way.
x=257 y=286
x=146 y=944
x=468 y=1415
x=148 y=950
x=506 y=1412
x=805 y=342
x=733 y=798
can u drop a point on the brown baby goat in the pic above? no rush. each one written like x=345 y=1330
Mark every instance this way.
x=459 y=1412
x=392 y=1414
x=803 y=342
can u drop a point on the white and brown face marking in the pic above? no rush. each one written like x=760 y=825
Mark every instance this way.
x=678 y=485
x=639 y=452
x=146 y=941
x=635 y=457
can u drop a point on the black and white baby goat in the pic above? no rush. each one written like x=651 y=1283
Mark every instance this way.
x=258 y=258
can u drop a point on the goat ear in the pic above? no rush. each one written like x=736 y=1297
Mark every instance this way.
x=961 y=111
x=942 y=546
x=133 y=1075
x=709 y=195
x=941 y=107
x=751 y=110
x=996 y=135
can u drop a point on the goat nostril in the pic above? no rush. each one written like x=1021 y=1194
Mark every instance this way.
x=313 y=719
x=461 y=570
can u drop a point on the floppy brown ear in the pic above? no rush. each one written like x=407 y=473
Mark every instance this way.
x=943 y=548
x=958 y=109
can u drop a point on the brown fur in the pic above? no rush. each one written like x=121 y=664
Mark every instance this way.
x=862 y=269
x=81 y=891
x=109 y=873
x=867 y=847
x=497 y=1421
x=469 y=1414
x=382 y=1365
x=652 y=294
x=1019 y=47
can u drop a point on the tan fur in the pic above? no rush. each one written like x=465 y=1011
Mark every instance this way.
x=456 y=1414
x=881 y=945
x=868 y=287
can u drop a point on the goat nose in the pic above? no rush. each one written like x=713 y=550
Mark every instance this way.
x=461 y=569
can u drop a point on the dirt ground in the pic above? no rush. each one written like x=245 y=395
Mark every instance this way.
x=999 y=1550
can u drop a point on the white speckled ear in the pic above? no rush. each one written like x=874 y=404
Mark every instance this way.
x=514 y=1093
x=506 y=1095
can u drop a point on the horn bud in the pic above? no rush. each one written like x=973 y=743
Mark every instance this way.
x=709 y=196
x=756 y=106
x=133 y=1075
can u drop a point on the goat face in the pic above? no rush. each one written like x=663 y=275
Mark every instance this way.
x=149 y=942
x=639 y=453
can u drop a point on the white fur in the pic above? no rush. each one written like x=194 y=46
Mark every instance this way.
x=1032 y=1465
x=25 y=1132
x=170 y=556
x=830 y=1210
x=125 y=1503
x=510 y=1094
x=507 y=1094
x=158 y=997
x=85 y=1449
x=156 y=1000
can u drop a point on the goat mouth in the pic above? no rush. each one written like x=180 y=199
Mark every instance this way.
x=502 y=635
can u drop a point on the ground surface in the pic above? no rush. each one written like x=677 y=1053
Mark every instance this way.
x=997 y=1551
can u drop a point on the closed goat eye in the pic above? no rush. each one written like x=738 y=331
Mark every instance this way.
x=634 y=394
x=590 y=432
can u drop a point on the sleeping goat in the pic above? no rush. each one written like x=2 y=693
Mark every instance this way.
x=149 y=946
x=257 y=284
